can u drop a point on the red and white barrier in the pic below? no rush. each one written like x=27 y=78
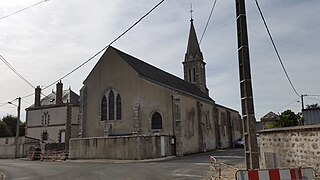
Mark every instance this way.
x=276 y=174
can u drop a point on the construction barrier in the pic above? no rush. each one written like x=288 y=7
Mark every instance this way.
x=220 y=170
x=277 y=174
x=54 y=155
x=215 y=169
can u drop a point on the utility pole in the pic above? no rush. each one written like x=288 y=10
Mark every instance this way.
x=68 y=128
x=302 y=105
x=249 y=121
x=17 y=128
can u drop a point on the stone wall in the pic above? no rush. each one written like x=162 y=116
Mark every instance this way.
x=7 y=146
x=290 y=147
x=120 y=147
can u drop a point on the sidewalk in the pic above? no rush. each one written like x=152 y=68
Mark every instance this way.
x=118 y=161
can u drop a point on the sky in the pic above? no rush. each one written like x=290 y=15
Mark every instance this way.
x=49 y=40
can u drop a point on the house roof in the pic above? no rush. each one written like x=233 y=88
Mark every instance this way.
x=159 y=76
x=271 y=116
x=67 y=96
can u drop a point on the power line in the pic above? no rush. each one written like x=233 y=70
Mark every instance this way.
x=314 y=99
x=313 y=95
x=5 y=103
x=15 y=71
x=23 y=9
x=78 y=67
x=127 y=30
x=275 y=48
x=205 y=28
x=294 y=101
x=27 y=95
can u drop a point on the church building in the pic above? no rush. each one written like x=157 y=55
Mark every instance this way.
x=130 y=109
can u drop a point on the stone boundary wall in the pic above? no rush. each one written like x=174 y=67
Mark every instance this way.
x=290 y=147
x=7 y=146
x=120 y=147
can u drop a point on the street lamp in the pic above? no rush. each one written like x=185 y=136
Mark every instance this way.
x=17 y=127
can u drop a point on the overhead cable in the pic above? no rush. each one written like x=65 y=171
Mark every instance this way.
x=275 y=48
x=78 y=67
x=314 y=99
x=15 y=71
x=205 y=28
x=105 y=46
x=294 y=101
x=22 y=9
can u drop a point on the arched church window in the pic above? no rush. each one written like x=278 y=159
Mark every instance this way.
x=156 y=121
x=104 y=109
x=194 y=74
x=118 y=102
x=111 y=105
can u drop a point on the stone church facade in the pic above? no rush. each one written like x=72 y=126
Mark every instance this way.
x=139 y=111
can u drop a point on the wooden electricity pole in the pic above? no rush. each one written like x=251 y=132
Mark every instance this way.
x=249 y=121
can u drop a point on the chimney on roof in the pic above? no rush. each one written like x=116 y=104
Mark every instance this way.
x=37 y=97
x=59 y=93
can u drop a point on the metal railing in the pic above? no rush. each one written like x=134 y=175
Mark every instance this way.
x=217 y=169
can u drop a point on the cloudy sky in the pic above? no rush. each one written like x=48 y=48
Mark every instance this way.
x=47 y=41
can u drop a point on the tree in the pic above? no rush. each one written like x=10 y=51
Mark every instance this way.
x=11 y=123
x=4 y=130
x=22 y=129
x=287 y=118
x=313 y=106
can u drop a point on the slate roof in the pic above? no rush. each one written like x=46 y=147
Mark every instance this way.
x=271 y=116
x=67 y=95
x=159 y=76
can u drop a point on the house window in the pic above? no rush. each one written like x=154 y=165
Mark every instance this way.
x=45 y=136
x=45 y=118
x=111 y=106
x=189 y=70
x=156 y=121
x=62 y=136
x=118 y=101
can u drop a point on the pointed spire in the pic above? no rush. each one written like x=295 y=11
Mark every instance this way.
x=191 y=11
x=193 y=48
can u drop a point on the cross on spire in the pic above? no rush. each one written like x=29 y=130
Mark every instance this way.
x=191 y=11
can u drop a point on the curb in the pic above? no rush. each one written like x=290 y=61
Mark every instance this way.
x=162 y=159
x=117 y=161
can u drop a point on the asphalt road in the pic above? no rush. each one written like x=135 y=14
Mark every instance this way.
x=188 y=167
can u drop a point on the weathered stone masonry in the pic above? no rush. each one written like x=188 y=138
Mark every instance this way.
x=290 y=147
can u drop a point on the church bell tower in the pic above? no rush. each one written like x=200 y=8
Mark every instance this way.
x=193 y=64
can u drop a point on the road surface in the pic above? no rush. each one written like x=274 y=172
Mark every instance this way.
x=188 y=167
